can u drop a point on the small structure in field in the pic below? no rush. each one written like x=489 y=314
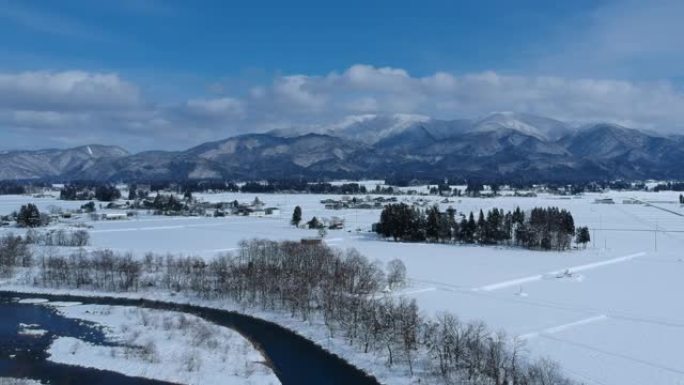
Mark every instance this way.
x=114 y=216
x=311 y=241
x=605 y=201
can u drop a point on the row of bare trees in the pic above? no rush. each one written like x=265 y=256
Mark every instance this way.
x=99 y=270
x=312 y=281
x=58 y=237
x=14 y=252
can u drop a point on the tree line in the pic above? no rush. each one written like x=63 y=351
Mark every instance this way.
x=542 y=228
x=670 y=186
x=100 y=192
x=12 y=188
x=309 y=281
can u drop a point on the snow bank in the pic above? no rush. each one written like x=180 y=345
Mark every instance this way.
x=163 y=345
x=33 y=301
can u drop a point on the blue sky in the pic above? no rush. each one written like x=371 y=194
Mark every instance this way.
x=145 y=73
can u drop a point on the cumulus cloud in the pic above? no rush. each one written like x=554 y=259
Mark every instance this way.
x=72 y=90
x=68 y=108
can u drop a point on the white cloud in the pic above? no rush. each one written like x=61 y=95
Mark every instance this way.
x=77 y=90
x=297 y=91
x=43 y=106
x=222 y=107
x=363 y=89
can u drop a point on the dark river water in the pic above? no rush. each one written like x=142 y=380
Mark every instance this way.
x=295 y=360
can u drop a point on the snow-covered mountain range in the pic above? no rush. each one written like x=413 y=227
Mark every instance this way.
x=505 y=146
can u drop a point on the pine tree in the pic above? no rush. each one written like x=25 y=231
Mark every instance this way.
x=462 y=229
x=583 y=237
x=452 y=223
x=132 y=192
x=470 y=229
x=314 y=223
x=432 y=226
x=188 y=195
x=481 y=228
x=296 y=216
x=29 y=216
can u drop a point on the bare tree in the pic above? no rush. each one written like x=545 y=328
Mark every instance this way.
x=396 y=274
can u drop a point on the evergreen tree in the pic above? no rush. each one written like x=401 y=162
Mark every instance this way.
x=88 y=207
x=473 y=189
x=518 y=216
x=583 y=237
x=29 y=216
x=401 y=222
x=132 y=192
x=432 y=226
x=188 y=195
x=296 y=216
x=462 y=228
x=452 y=223
x=107 y=193
x=481 y=229
x=469 y=229
x=314 y=223
x=545 y=228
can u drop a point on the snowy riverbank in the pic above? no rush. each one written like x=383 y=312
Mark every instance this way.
x=163 y=345
x=313 y=329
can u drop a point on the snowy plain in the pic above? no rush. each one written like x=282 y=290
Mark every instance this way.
x=617 y=318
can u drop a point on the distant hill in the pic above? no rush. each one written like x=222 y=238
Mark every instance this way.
x=499 y=146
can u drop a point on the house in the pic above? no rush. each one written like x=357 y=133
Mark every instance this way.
x=257 y=213
x=336 y=223
x=608 y=201
x=311 y=241
x=114 y=216
x=334 y=206
x=257 y=204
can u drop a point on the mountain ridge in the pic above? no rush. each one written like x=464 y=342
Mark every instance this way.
x=499 y=146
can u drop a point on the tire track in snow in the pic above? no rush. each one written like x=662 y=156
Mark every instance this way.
x=153 y=228
x=574 y=269
x=560 y=328
x=586 y=310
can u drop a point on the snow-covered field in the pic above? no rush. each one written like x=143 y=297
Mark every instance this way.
x=162 y=345
x=617 y=318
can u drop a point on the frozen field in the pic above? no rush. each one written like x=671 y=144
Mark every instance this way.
x=618 y=319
